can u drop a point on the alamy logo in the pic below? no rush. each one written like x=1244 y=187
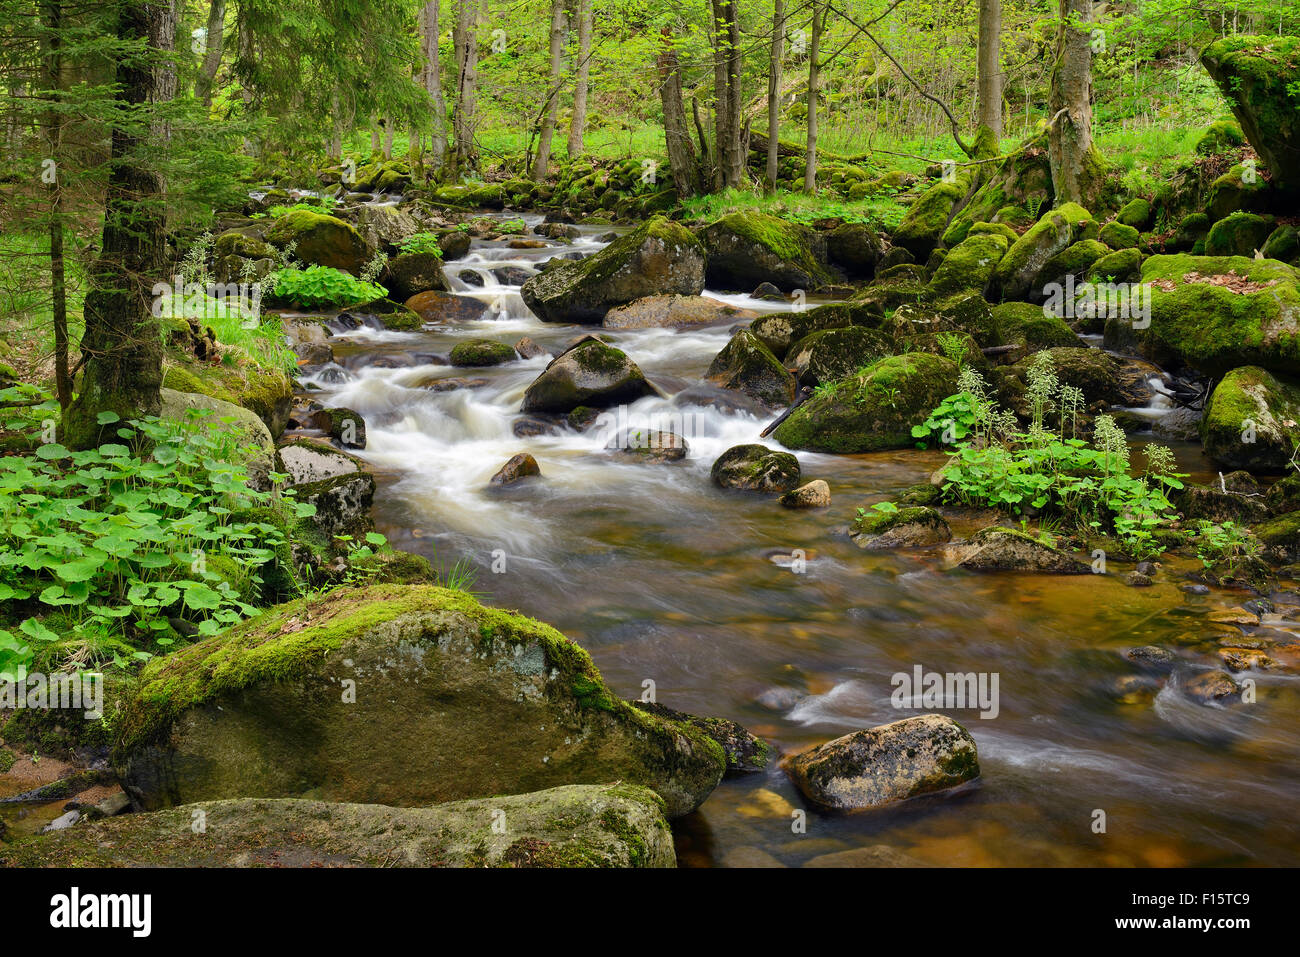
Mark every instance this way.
x=933 y=690
x=39 y=692
x=73 y=910
x=210 y=300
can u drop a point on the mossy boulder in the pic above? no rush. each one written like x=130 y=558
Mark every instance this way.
x=659 y=257
x=578 y=825
x=320 y=239
x=746 y=754
x=1257 y=76
x=913 y=527
x=745 y=365
x=481 y=195
x=395 y=694
x=412 y=273
x=1004 y=549
x=591 y=374
x=265 y=391
x=969 y=267
x=928 y=217
x=1073 y=261
x=854 y=248
x=872 y=410
x=1091 y=371
x=1033 y=327
x=1283 y=244
x=756 y=468
x=1123 y=265
x=1191 y=231
x=1220 y=137
x=1116 y=235
x=481 y=352
x=1054 y=233
x=1135 y=213
x=1239 y=234
x=1251 y=421
x=253 y=438
x=835 y=353
x=890 y=763
x=745 y=249
x=780 y=330
x=1217 y=313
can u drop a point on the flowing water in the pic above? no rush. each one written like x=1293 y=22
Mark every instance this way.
x=734 y=606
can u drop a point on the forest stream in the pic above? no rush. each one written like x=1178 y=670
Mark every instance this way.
x=726 y=604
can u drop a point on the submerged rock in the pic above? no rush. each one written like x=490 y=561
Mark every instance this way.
x=521 y=466
x=913 y=527
x=1004 y=549
x=756 y=468
x=396 y=694
x=674 y=312
x=890 y=763
x=816 y=494
x=582 y=825
x=658 y=258
x=590 y=374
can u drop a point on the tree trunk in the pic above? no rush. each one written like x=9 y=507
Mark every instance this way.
x=433 y=84
x=677 y=137
x=1074 y=162
x=578 y=122
x=774 y=95
x=726 y=81
x=989 y=65
x=388 y=138
x=465 y=120
x=814 y=85
x=52 y=17
x=215 y=40
x=122 y=341
x=559 y=31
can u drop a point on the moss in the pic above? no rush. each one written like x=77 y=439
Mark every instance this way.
x=1239 y=234
x=929 y=216
x=1054 y=232
x=1135 y=213
x=1257 y=76
x=1245 y=420
x=877 y=522
x=1214 y=328
x=1116 y=235
x=1221 y=136
x=482 y=352
x=1025 y=324
x=874 y=409
x=1283 y=244
x=969 y=266
x=1124 y=265
x=320 y=239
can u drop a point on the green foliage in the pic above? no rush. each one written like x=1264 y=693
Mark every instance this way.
x=422 y=243
x=1086 y=486
x=1228 y=543
x=323 y=286
x=313 y=204
x=129 y=537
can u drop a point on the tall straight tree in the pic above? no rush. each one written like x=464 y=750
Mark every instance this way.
x=431 y=75
x=677 y=136
x=989 y=66
x=551 y=107
x=52 y=44
x=819 y=14
x=774 y=95
x=1074 y=162
x=122 y=344
x=581 y=83
x=214 y=39
x=727 y=131
x=465 y=118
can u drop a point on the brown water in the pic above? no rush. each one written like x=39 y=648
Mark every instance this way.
x=666 y=579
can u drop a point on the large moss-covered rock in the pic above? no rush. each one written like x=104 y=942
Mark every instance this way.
x=780 y=330
x=592 y=374
x=923 y=226
x=1091 y=371
x=746 y=249
x=657 y=258
x=756 y=468
x=263 y=390
x=1005 y=549
x=320 y=239
x=396 y=694
x=1251 y=421
x=1056 y=231
x=872 y=410
x=256 y=447
x=831 y=355
x=1217 y=313
x=1257 y=75
x=746 y=365
x=412 y=273
x=577 y=825
x=1032 y=327
x=886 y=764
x=912 y=527
x=969 y=267
x=855 y=248
x=1239 y=234
x=481 y=352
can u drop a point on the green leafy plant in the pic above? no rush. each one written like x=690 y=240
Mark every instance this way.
x=423 y=243
x=1227 y=544
x=323 y=286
